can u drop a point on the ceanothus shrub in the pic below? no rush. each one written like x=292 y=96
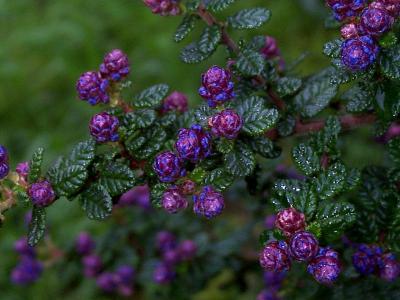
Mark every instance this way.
x=327 y=224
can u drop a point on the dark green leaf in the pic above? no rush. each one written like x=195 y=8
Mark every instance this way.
x=151 y=97
x=141 y=118
x=264 y=147
x=353 y=179
x=306 y=159
x=202 y=114
x=330 y=182
x=185 y=27
x=249 y=18
x=68 y=180
x=156 y=193
x=286 y=126
x=82 y=154
x=117 y=178
x=240 y=161
x=332 y=48
x=218 y=5
x=96 y=202
x=250 y=62
x=35 y=165
x=167 y=119
x=224 y=145
x=151 y=142
x=192 y=5
x=394 y=150
x=286 y=86
x=359 y=99
x=219 y=179
x=209 y=39
x=192 y=54
x=390 y=62
x=37 y=226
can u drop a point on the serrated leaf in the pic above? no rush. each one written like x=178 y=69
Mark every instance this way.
x=218 y=5
x=219 y=179
x=249 y=18
x=286 y=86
x=37 y=226
x=192 y=54
x=82 y=154
x=185 y=27
x=306 y=202
x=331 y=182
x=353 y=179
x=265 y=147
x=151 y=97
x=394 y=150
x=202 y=114
x=306 y=159
x=240 y=161
x=96 y=202
x=68 y=180
x=156 y=193
x=358 y=99
x=332 y=49
x=209 y=39
x=141 y=118
x=286 y=126
x=224 y=145
x=35 y=166
x=257 y=122
x=390 y=62
x=154 y=141
x=117 y=178
x=250 y=62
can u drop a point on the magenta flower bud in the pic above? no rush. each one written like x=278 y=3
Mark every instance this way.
x=163 y=7
x=139 y=195
x=84 y=244
x=92 y=265
x=267 y=295
x=188 y=187
x=303 y=246
x=107 y=282
x=115 y=65
x=359 y=53
x=22 y=170
x=22 y=247
x=41 y=193
x=27 y=271
x=325 y=267
x=290 y=221
x=389 y=267
x=171 y=257
x=270 y=49
x=125 y=275
x=104 y=127
x=92 y=88
x=187 y=250
x=4 y=169
x=165 y=240
x=365 y=259
x=346 y=9
x=168 y=166
x=217 y=87
x=273 y=280
x=193 y=144
x=375 y=21
x=349 y=31
x=3 y=154
x=274 y=257
x=176 y=101
x=163 y=274
x=392 y=6
x=173 y=201
x=226 y=123
x=209 y=203
x=269 y=222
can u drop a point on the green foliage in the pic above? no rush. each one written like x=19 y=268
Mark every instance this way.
x=186 y=26
x=209 y=39
x=219 y=178
x=306 y=159
x=330 y=182
x=249 y=18
x=286 y=86
x=250 y=62
x=151 y=97
x=218 y=5
x=240 y=161
x=35 y=165
x=37 y=226
x=390 y=62
x=116 y=178
x=96 y=202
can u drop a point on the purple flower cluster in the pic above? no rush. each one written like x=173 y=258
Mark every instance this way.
x=173 y=200
x=217 y=87
x=139 y=196
x=193 y=144
x=226 y=123
x=366 y=24
x=94 y=86
x=302 y=246
x=176 y=101
x=209 y=203
x=164 y=7
x=29 y=269
x=172 y=254
x=41 y=193
x=4 y=165
x=273 y=282
x=371 y=259
x=104 y=127
x=168 y=166
x=270 y=50
x=22 y=170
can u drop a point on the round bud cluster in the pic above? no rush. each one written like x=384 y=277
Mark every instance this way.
x=392 y=6
x=209 y=203
x=273 y=282
x=168 y=166
x=188 y=187
x=139 y=196
x=359 y=53
x=302 y=246
x=115 y=66
x=172 y=254
x=92 y=265
x=371 y=259
x=226 y=123
x=173 y=200
x=28 y=269
x=270 y=50
x=217 y=87
x=346 y=9
x=104 y=127
x=41 y=193
x=84 y=244
x=375 y=20
x=164 y=7
x=176 y=101
x=4 y=164
x=193 y=144
x=22 y=170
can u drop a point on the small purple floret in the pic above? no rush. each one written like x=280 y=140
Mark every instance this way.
x=193 y=144
x=115 y=66
x=92 y=88
x=104 y=127
x=209 y=203
x=41 y=193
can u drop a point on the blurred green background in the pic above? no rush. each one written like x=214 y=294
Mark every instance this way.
x=46 y=45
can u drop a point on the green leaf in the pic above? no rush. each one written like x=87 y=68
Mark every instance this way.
x=331 y=182
x=250 y=62
x=359 y=99
x=315 y=96
x=219 y=179
x=202 y=114
x=192 y=54
x=82 y=154
x=306 y=159
x=151 y=97
x=35 y=166
x=390 y=62
x=96 y=202
x=393 y=234
x=394 y=150
x=141 y=118
x=353 y=179
x=335 y=217
x=117 y=178
x=286 y=86
x=224 y=145
x=249 y=18
x=68 y=180
x=193 y=5
x=198 y=175
x=185 y=27
x=332 y=49
x=209 y=39
x=240 y=161
x=218 y=5
x=306 y=202
x=265 y=147
x=148 y=144
x=167 y=119
x=37 y=226
x=156 y=193
x=286 y=126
